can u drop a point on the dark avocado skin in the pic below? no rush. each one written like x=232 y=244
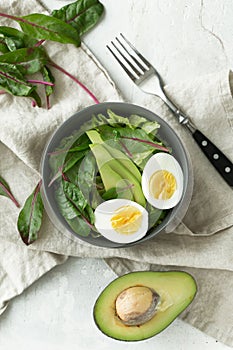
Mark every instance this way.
x=166 y=275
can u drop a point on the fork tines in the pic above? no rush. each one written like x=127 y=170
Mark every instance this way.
x=133 y=63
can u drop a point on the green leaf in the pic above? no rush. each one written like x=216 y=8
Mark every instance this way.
x=79 y=226
x=66 y=208
x=114 y=120
x=5 y=191
x=3 y=47
x=43 y=27
x=134 y=121
x=48 y=77
x=118 y=120
x=94 y=122
x=144 y=124
x=113 y=127
x=12 y=81
x=69 y=209
x=35 y=97
x=75 y=195
x=86 y=174
x=139 y=152
x=62 y=160
x=15 y=39
x=30 y=217
x=13 y=44
x=110 y=194
x=72 y=173
x=61 y=165
x=90 y=214
x=81 y=14
x=122 y=191
x=77 y=199
x=154 y=215
x=27 y=60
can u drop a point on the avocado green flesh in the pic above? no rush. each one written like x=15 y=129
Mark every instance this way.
x=95 y=138
x=103 y=158
x=176 y=289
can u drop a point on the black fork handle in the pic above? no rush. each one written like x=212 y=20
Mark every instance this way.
x=221 y=163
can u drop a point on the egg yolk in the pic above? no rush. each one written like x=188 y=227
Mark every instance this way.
x=127 y=219
x=162 y=184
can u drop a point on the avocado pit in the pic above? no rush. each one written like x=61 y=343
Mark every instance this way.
x=136 y=305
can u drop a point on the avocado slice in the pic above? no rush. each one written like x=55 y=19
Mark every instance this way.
x=112 y=180
x=103 y=157
x=139 y=305
x=95 y=138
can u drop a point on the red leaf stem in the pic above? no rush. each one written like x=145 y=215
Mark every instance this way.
x=35 y=81
x=37 y=190
x=10 y=195
x=153 y=144
x=76 y=80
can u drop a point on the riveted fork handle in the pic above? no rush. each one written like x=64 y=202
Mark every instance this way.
x=221 y=163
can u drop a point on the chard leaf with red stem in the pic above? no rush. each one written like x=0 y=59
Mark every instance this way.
x=5 y=191
x=26 y=53
x=48 y=77
x=30 y=217
x=81 y=14
x=66 y=208
x=27 y=60
x=62 y=70
x=13 y=81
x=40 y=26
x=61 y=165
x=15 y=39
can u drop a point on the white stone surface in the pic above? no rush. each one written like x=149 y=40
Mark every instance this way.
x=56 y=314
x=183 y=39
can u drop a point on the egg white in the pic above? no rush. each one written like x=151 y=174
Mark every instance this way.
x=162 y=161
x=105 y=211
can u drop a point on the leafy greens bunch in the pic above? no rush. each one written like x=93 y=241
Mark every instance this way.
x=23 y=54
x=76 y=176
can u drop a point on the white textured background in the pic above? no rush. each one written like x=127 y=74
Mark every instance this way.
x=183 y=39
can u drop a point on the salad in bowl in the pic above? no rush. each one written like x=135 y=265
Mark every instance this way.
x=114 y=175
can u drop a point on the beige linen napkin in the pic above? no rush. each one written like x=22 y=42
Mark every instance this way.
x=202 y=244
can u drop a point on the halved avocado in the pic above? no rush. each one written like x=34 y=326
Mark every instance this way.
x=141 y=304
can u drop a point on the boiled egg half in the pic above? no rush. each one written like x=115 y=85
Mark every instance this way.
x=121 y=220
x=162 y=181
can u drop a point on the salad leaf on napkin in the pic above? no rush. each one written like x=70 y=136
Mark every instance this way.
x=30 y=217
x=28 y=61
x=5 y=191
x=49 y=89
x=82 y=15
x=23 y=49
x=12 y=81
x=15 y=39
x=44 y=27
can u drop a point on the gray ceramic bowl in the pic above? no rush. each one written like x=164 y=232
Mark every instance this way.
x=166 y=134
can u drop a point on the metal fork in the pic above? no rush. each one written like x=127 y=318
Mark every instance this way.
x=147 y=78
